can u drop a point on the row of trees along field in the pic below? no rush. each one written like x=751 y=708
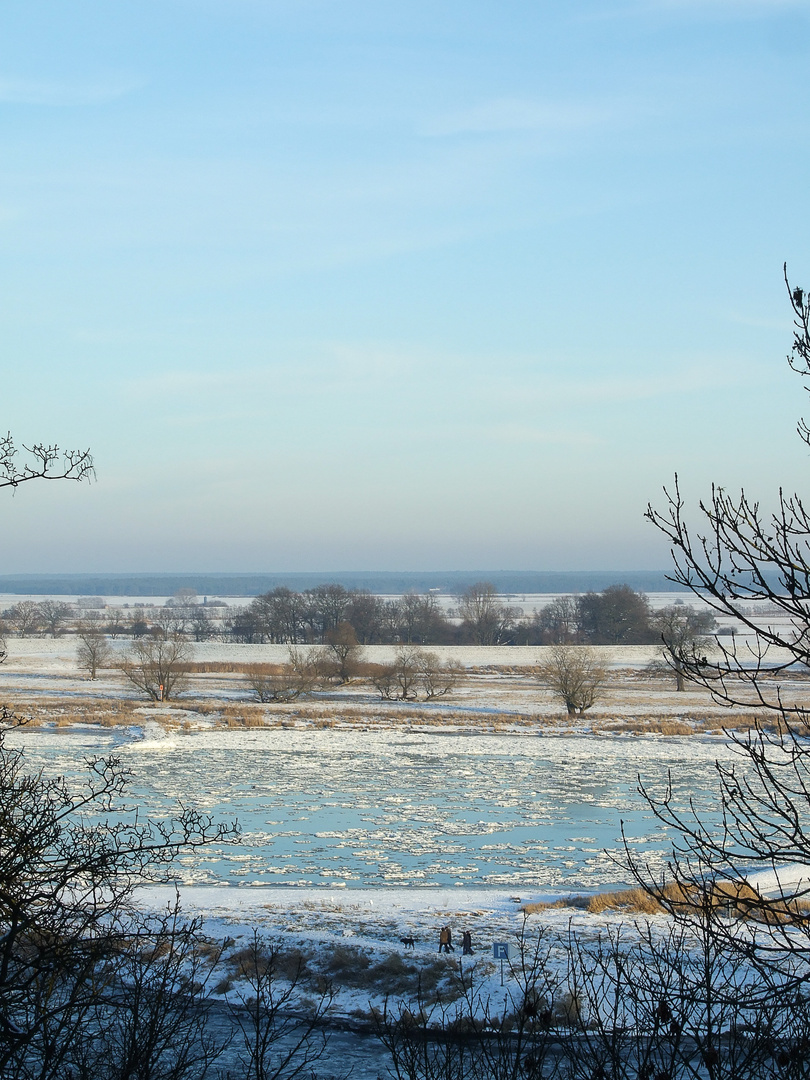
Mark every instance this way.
x=719 y=990
x=616 y=616
x=161 y=667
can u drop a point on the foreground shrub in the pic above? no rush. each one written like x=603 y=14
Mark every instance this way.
x=87 y=985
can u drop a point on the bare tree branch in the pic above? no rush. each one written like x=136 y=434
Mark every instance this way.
x=44 y=462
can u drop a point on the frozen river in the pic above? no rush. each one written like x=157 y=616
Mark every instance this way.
x=351 y=808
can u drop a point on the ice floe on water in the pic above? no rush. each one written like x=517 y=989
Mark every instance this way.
x=377 y=810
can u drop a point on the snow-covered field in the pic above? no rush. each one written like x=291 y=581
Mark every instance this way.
x=499 y=683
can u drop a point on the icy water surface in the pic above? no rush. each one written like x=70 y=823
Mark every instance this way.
x=354 y=808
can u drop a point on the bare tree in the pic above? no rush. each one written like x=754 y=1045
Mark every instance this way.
x=114 y=627
x=152 y=1007
x=88 y=988
x=280 y=615
x=326 y=608
x=526 y=1033
x=138 y=624
x=420 y=619
x=649 y=1000
x=244 y=625
x=436 y=678
x=300 y=676
x=44 y=462
x=659 y=998
x=172 y=620
x=93 y=651
x=345 y=651
x=407 y=664
x=558 y=622
x=184 y=597
x=744 y=557
x=740 y=558
x=92 y=603
x=685 y=634
x=414 y=670
x=366 y=614
x=487 y=621
x=274 y=686
x=284 y=616
x=24 y=618
x=384 y=679
x=575 y=674
x=54 y=613
x=201 y=625
x=158 y=666
x=616 y=616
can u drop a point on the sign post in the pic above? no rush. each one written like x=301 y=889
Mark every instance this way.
x=500 y=951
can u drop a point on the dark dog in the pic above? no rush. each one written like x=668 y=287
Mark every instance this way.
x=408 y=942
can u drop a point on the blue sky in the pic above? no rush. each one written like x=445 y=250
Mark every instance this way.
x=340 y=285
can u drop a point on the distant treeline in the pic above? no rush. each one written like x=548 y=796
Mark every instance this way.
x=616 y=616
x=389 y=583
x=330 y=614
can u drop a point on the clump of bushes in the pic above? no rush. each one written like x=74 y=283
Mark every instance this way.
x=415 y=672
x=350 y=966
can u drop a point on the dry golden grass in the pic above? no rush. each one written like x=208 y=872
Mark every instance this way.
x=633 y=901
x=637 y=901
x=647 y=725
x=232 y=667
x=634 y=706
x=743 y=902
x=738 y=899
x=209 y=708
x=250 y=720
x=350 y=966
x=693 y=723
x=332 y=712
x=61 y=713
x=579 y=902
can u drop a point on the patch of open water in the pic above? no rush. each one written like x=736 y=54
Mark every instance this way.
x=366 y=808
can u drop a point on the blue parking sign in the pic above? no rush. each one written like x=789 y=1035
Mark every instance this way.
x=500 y=950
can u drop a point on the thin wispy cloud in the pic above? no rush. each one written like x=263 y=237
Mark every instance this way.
x=16 y=91
x=546 y=388
x=513 y=114
x=317 y=372
x=539 y=435
x=322 y=371
x=730 y=6
x=700 y=8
